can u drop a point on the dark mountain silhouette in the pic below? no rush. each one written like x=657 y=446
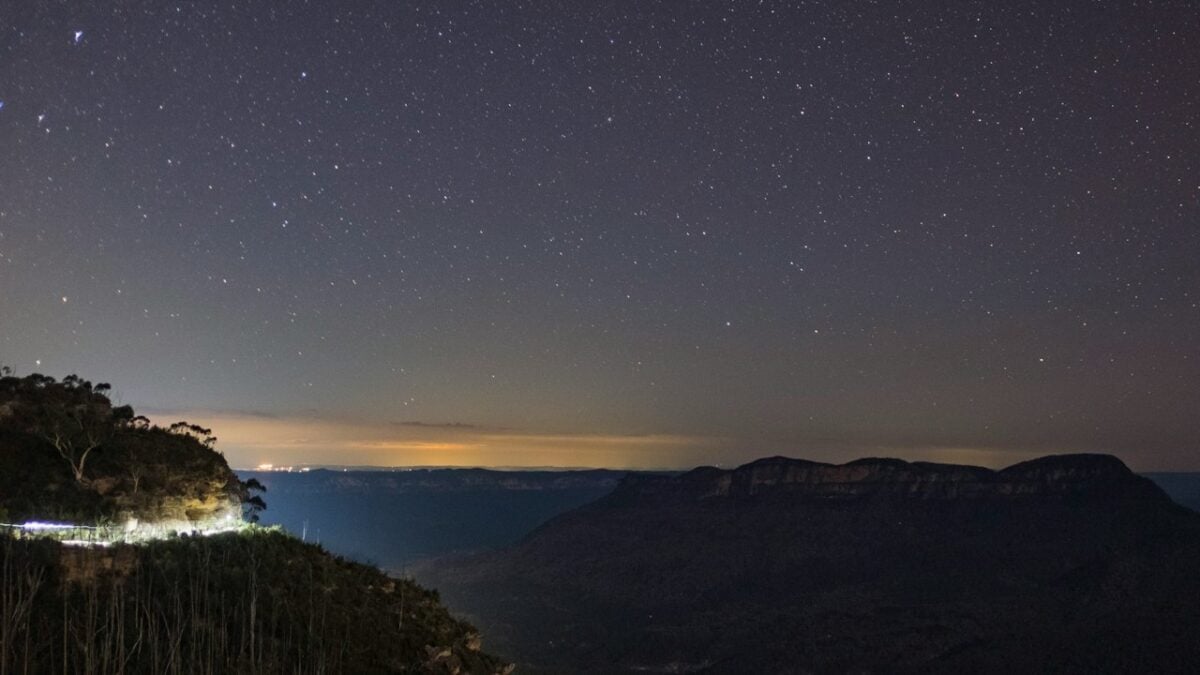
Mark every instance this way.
x=1065 y=563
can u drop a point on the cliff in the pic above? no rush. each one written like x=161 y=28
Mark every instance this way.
x=1064 y=563
x=1052 y=476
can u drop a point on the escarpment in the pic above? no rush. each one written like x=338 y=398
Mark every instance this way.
x=1082 y=475
x=876 y=565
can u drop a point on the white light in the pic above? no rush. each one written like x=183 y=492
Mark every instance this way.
x=38 y=525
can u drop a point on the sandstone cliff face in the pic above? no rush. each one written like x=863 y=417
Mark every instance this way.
x=1057 y=475
x=210 y=499
x=877 y=565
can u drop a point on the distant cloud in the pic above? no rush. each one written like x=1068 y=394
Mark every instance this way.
x=249 y=438
x=437 y=425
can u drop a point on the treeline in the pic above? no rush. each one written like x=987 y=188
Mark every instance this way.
x=255 y=602
x=68 y=453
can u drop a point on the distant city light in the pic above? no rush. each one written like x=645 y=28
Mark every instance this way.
x=266 y=466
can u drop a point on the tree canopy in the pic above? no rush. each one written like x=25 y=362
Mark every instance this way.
x=67 y=452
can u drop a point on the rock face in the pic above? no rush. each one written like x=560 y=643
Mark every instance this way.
x=782 y=565
x=1061 y=475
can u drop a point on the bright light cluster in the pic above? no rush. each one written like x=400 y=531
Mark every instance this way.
x=284 y=469
x=130 y=532
x=36 y=525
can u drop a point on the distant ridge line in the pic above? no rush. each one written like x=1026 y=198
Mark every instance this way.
x=1052 y=475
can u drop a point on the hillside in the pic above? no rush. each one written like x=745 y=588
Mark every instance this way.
x=184 y=598
x=258 y=601
x=781 y=565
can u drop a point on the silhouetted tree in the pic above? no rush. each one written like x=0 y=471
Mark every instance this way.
x=195 y=431
x=76 y=419
x=252 y=504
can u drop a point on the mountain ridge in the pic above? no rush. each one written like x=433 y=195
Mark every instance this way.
x=876 y=565
x=1053 y=475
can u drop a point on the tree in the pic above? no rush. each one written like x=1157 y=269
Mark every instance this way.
x=75 y=433
x=196 y=431
x=138 y=448
x=76 y=419
x=252 y=504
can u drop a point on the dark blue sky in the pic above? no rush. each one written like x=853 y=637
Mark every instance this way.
x=652 y=234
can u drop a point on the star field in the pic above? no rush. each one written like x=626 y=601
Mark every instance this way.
x=764 y=227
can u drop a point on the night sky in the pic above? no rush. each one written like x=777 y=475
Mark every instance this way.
x=652 y=234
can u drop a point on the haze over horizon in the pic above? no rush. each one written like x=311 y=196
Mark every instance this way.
x=647 y=236
x=249 y=441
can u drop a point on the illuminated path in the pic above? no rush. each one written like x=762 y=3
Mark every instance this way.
x=133 y=532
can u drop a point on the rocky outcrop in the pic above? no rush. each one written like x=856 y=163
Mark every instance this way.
x=67 y=454
x=1052 y=476
x=876 y=565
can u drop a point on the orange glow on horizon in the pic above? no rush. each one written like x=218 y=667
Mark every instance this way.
x=249 y=440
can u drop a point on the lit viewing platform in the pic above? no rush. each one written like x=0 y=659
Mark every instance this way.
x=130 y=532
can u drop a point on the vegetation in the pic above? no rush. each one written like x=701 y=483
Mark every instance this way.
x=67 y=453
x=258 y=601
x=254 y=601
